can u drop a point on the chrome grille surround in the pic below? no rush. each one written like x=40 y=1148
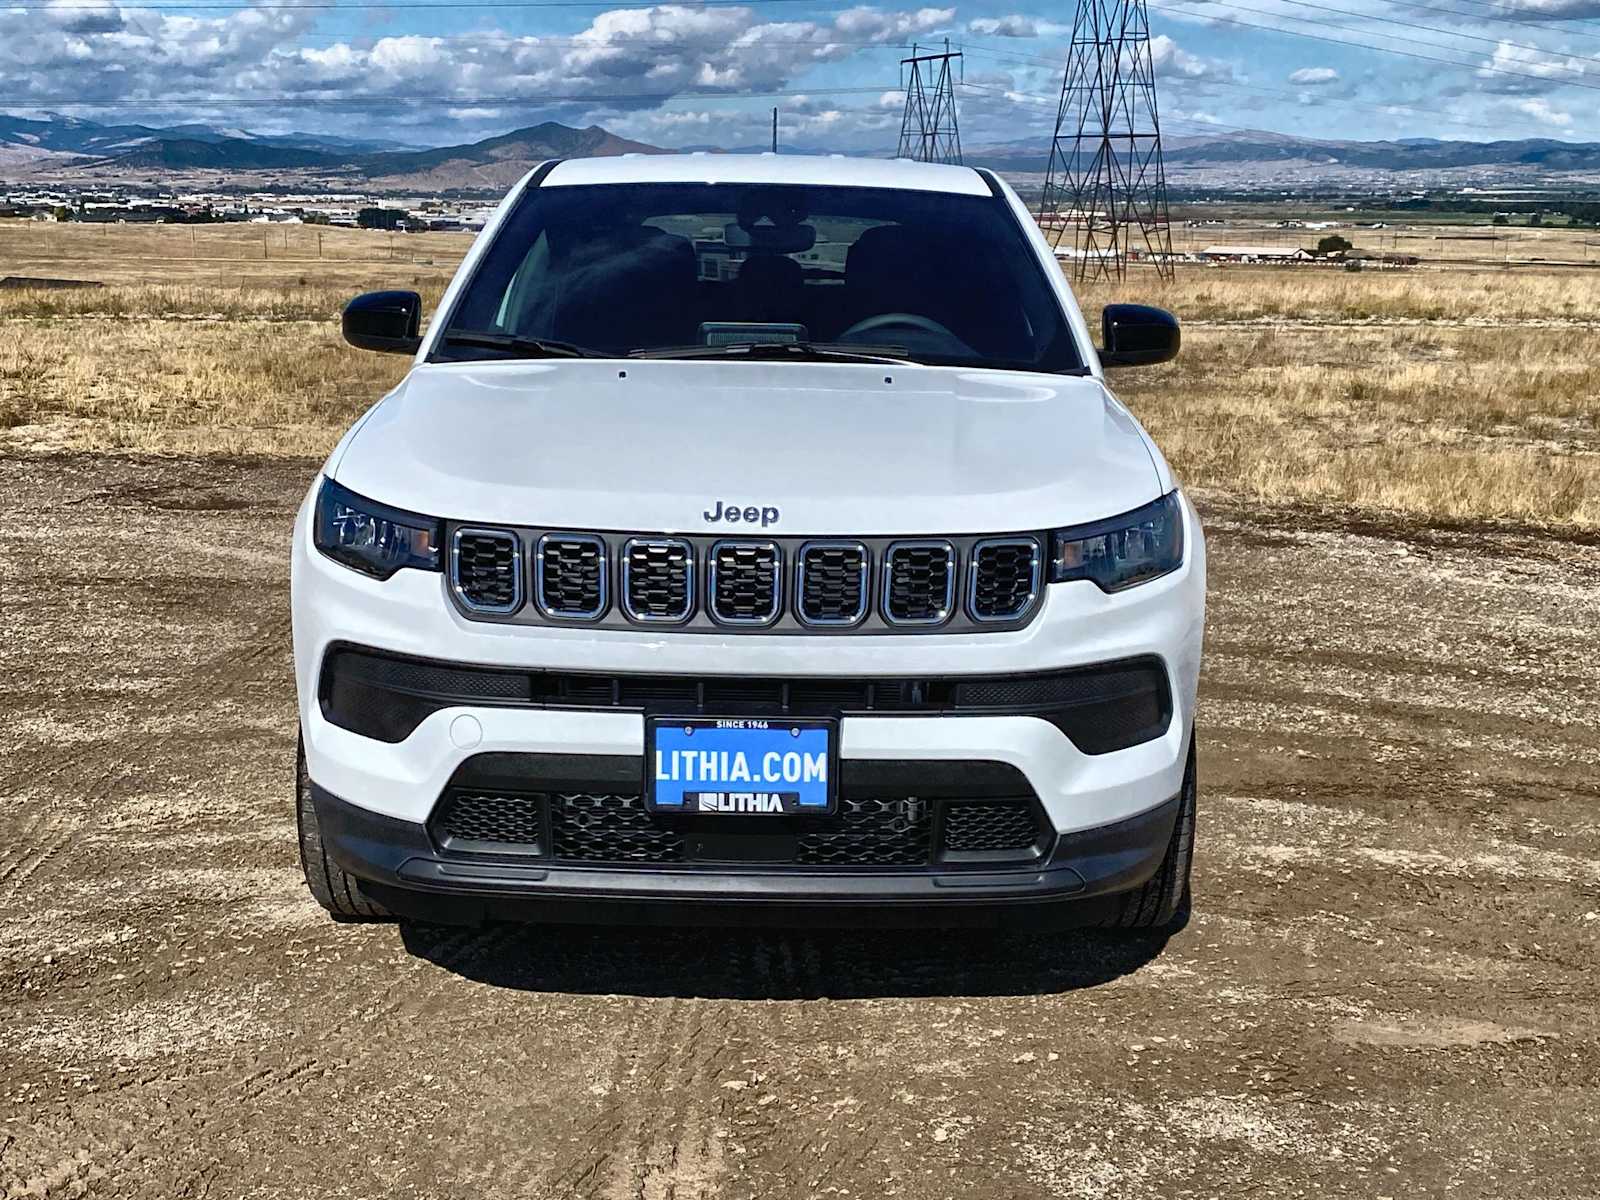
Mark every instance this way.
x=473 y=533
x=737 y=566
x=810 y=586
x=593 y=594
x=903 y=562
x=606 y=585
x=988 y=572
x=663 y=558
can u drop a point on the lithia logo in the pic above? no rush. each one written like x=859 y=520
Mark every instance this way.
x=730 y=513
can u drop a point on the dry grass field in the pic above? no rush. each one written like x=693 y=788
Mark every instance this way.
x=1446 y=396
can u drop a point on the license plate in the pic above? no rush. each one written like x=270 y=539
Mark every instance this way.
x=740 y=765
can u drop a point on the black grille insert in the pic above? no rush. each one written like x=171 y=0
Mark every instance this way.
x=919 y=583
x=879 y=831
x=833 y=583
x=471 y=821
x=1005 y=578
x=571 y=576
x=746 y=583
x=657 y=579
x=990 y=825
x=486 y=569
x=596 y=827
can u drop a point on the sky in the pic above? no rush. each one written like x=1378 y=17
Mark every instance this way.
x=708 y=73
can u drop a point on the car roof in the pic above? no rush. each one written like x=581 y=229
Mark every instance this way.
x=834 y=170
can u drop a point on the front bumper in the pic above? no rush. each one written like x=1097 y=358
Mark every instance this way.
x=402 y=867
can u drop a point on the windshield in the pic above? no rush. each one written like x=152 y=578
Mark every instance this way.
x=761 y=271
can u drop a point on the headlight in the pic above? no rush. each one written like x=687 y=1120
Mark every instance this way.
x=373 y=538
x=1122 y=551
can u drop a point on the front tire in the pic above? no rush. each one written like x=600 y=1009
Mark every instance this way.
x=331 y=886
x=1163 y=901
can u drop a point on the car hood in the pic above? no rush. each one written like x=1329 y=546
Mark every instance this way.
x=835 y=449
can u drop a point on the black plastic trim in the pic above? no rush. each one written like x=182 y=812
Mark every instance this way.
x=405 y=873
x=815 y=696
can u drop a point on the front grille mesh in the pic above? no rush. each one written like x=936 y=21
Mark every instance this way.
x=881 y=832
x=833 y=584
x=1005 y=577
x=593 y=827
x=659 y=573
x=485 y=567
x=990 y=825
x=746 y=587
x=572 y=574
x=870 y=829
x=469 y=819
x=918 y=585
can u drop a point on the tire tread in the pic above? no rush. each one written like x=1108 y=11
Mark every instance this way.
x=331 y=886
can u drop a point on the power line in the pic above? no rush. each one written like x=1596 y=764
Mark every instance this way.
x=1473 y=37
x=1316 y=102
x=1506 y=10
x=1314 y=37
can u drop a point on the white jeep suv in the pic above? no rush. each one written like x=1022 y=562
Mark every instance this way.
x=751 y=536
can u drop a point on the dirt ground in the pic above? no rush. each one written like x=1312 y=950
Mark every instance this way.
x=1389 y=987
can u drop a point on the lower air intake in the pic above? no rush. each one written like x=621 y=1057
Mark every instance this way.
x=478 y=821
x=977 y=826
x=595 y=827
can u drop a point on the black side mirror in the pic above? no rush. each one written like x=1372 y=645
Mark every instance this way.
x=387 y=321
x=1136 y=335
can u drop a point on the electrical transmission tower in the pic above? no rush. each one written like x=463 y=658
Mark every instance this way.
x=928 y=131
x=1106 y=184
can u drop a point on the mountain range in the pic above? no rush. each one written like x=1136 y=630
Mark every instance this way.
x=1258 y=147
x=62 y=149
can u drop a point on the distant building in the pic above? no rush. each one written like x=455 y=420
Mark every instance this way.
x=381 y=218
x=1246 y=254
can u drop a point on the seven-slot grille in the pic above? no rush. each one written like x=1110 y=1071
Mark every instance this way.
x=919 y=583
x=1005 y=578
x=486 y=569
x=571 y=576
x=837 y=583
x=657 y=579
x=746 y=582
x=832 y=583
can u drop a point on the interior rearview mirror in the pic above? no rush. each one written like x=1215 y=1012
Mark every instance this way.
x=1136 y=335
x=387 y=321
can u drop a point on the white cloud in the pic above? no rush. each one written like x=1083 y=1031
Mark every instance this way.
x=1017 y=25
x=1560 y=10
x=1314 y=76
x=1171 y=59
x=84 y=51
x=1518 y=68
x=1540 y=110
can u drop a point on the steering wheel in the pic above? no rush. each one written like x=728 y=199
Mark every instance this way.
x=898 y=320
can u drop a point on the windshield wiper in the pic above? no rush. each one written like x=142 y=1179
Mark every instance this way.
x=523 y=347
x=814 y=351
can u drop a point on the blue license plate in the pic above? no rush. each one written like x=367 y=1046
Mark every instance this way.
x=740 y=765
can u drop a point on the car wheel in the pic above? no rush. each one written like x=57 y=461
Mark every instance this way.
x=1163 y=901
x=334 y=888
